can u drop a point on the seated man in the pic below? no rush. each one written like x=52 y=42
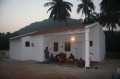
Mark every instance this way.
x=51 y=58
x=71 y=57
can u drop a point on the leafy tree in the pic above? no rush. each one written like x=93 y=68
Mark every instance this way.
x=112 y=44
x=110 y=14
x=4 y=40
x=94 y=17
x=87 y=6
x=59 y=10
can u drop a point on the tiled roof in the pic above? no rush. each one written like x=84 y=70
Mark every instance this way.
x=57 y=30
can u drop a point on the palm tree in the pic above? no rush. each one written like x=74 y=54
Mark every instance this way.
x=87 y=7
x=59 y=10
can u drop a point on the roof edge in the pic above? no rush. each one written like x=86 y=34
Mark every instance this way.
x=91 y=25
x=22 y=35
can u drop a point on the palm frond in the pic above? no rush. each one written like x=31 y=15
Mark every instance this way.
x=50 y=9
x=68 y=7
x=49 y=4
x=91 y=6
x=59 y=10
x=68 y=3
x=80 y=6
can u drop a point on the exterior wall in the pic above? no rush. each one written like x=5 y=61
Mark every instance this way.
x=37 y=49
x=81 y=38
x=101 y=44
x=61 y=39
x=26 y=51
x=34 y=52
x=49 y=41
x=98 y=48
x=16 y=49
x=4 y=54
x=94 y=37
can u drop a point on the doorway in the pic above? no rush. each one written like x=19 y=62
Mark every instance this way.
x=78 y=49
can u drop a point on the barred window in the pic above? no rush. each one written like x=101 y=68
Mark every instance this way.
x=91 y=43
x=27 y=44
x=55 y=46
x=67 y=46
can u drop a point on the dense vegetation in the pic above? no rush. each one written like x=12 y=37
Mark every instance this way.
x=112 y=44
x=4 y=40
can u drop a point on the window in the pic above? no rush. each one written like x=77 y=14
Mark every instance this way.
x=55 y=46
x=27 y=44
x=91 y=43
x=67 y=46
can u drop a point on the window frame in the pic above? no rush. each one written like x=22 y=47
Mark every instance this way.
x=55 y=46
x=27 y=44
x=91 y=43
x=67 y=46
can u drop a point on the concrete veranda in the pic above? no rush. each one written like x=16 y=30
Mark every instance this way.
x=13 y=69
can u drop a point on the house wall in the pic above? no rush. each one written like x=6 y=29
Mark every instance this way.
x=16 y=49
x=61 y=39
x=26 y=51
x=37 y=49
x=49 y=41
x=98 y=48
x=4 y=53
x=34 y=52
x=94 y=37
x=101 y=44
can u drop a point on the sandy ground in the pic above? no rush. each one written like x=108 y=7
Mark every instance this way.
x=13 y=69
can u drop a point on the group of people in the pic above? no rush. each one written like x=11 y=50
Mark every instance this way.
x=61 y=57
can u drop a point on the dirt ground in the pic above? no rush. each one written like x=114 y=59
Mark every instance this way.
x=13 y=69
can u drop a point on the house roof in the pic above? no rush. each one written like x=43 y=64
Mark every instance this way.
x=57 y=30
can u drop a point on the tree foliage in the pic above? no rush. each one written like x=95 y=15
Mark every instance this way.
x=94 y=17
x=110 y=14
x=59 y=10
x=4 y=40
x=113 y=44
x=87 y=6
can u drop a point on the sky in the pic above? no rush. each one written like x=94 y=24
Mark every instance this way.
x=16 y=14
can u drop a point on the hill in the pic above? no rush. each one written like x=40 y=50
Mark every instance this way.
x=47 y=24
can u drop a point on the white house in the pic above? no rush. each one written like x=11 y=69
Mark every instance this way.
x=84 y=41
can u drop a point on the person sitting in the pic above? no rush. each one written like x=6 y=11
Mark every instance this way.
x=51 y=58
x=71 y=57
x=81 y=63
x=56 y=58
x=62 y=57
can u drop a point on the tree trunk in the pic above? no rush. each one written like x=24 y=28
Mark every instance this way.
x=88 y=16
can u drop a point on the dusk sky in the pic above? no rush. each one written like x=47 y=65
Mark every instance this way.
x=16 y=14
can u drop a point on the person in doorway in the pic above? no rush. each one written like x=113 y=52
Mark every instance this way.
x=46 y=51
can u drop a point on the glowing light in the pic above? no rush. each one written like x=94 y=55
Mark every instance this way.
x=72 y=38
